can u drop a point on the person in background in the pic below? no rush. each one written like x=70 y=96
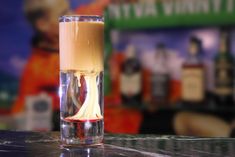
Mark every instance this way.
x=41 y=73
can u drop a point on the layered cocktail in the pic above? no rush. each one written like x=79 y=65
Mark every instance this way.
x=81 y=79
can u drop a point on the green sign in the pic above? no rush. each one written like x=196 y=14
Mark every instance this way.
x=171 y=13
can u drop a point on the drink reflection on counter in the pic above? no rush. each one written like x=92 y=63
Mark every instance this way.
x=84 y=152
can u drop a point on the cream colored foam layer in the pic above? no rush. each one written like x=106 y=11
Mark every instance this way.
x=81 y=46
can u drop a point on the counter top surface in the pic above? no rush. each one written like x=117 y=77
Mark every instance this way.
x=35 y=144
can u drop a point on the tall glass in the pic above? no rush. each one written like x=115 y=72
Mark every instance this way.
x=81 y=79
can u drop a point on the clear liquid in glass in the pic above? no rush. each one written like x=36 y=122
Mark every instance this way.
x=81 y=107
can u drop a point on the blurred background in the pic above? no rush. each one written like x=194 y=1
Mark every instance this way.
x=169 y=65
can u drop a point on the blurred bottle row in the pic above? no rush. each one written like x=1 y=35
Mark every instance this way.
x=135 y=84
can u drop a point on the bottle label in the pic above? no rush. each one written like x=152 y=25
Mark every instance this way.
x=39 y=112
x=131 y=84
x=160 y=84
x=193 y=84
x=224 y=78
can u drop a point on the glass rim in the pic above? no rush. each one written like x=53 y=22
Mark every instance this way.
x=81 y=18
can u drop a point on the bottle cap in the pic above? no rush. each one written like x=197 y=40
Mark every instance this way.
x=130 y=51
x=195 y=47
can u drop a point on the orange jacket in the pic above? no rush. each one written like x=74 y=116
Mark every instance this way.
x=41 y=74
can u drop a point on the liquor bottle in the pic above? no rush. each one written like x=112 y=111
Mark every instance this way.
x=193 y=77
x=131 y=79
x=224 y=72
x=160 y=78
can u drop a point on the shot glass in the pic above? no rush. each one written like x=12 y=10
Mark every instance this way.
x=81 y=79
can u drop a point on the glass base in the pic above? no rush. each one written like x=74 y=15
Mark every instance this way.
x=81 y=133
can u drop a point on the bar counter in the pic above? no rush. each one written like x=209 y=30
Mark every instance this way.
x=36 y=144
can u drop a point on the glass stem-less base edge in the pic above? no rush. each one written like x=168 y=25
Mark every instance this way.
x=66 y=143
